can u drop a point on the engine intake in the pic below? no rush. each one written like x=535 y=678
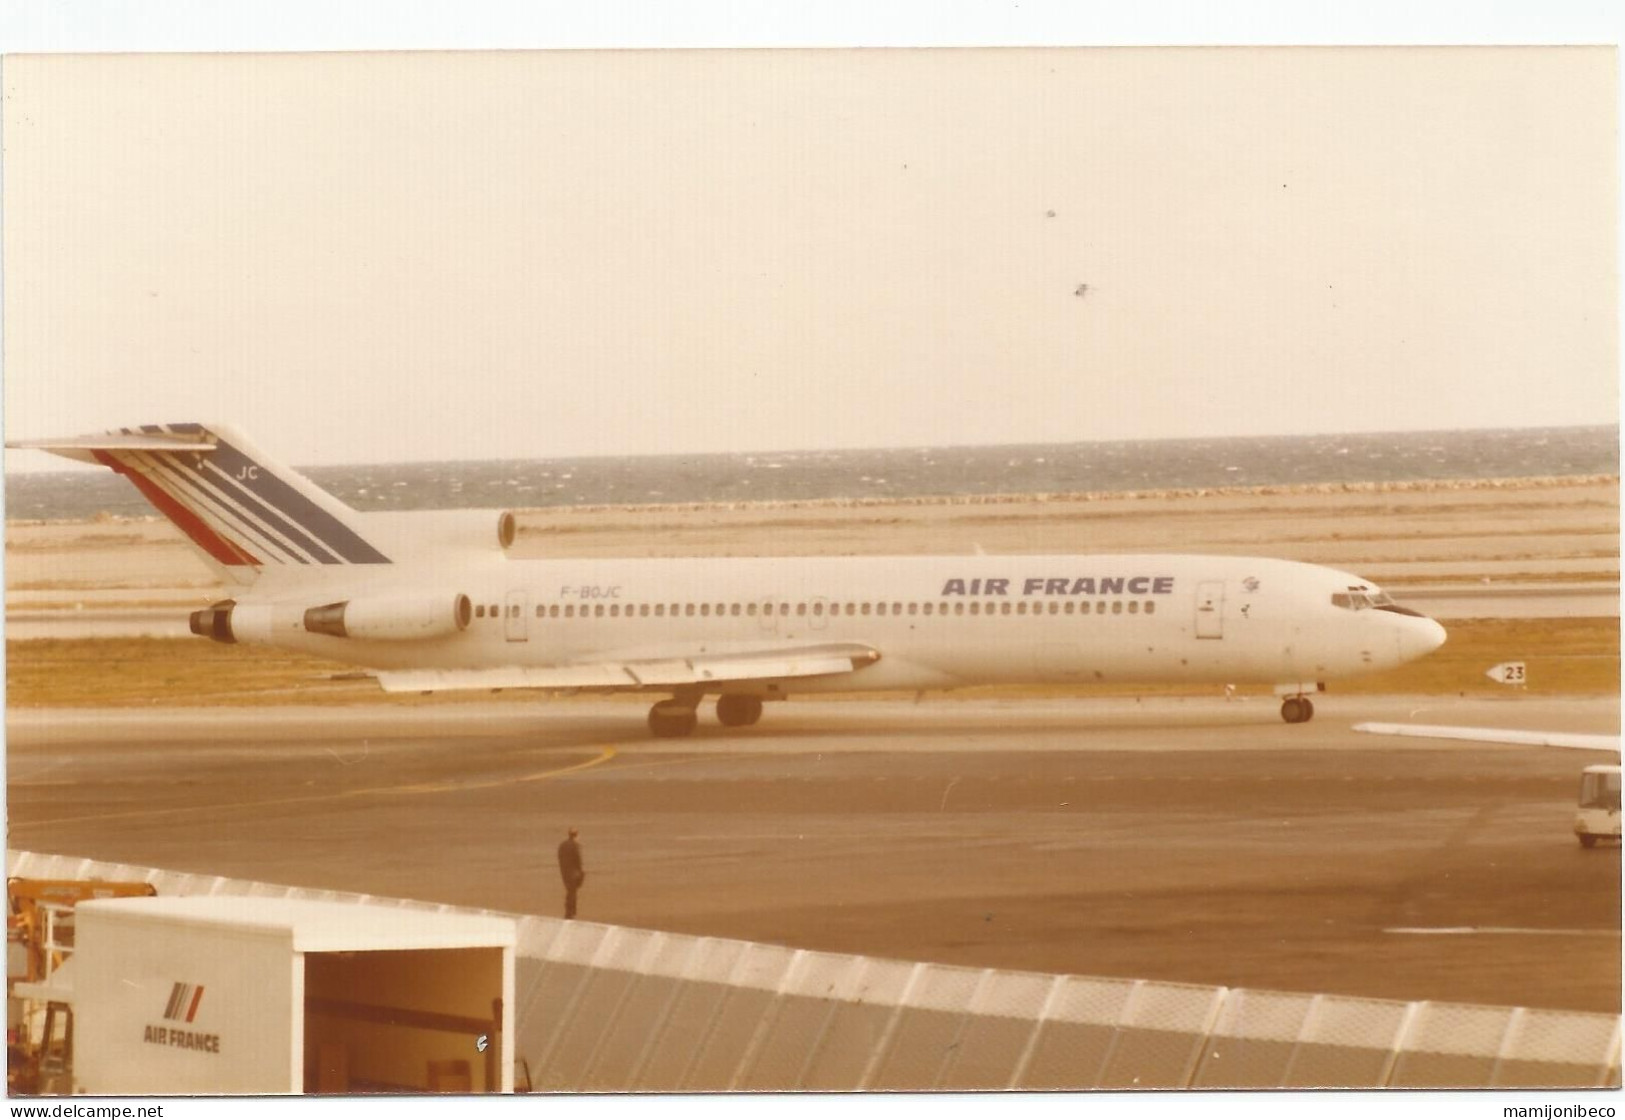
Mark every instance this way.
x=392 y=619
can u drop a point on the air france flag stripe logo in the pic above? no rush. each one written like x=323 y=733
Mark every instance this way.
x=227 y=520
x=239 y=511
x=247 y=518
x=183 y=1002
x=188 y=522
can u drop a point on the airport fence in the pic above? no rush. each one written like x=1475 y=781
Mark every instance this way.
x=611 y=1009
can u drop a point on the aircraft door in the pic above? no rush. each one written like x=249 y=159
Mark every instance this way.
x=516 y=616
x=1210 y=609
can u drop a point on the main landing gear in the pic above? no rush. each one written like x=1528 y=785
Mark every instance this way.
x=677 y=717
x=674 y=718
x=1297 y=709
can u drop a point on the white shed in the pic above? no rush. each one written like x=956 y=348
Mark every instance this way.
x=175 y=996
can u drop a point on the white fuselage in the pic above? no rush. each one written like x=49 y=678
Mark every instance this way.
x=936 y=622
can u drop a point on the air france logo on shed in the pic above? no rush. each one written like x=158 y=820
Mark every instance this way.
x=184 y=1001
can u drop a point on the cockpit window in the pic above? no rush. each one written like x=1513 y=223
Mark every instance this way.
x=1363 y=598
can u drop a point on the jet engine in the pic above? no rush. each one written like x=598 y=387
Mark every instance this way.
x=392 y=618
x=230 y=621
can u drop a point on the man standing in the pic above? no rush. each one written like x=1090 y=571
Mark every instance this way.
x=571 y=871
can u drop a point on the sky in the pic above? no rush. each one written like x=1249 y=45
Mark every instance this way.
x=375 y=256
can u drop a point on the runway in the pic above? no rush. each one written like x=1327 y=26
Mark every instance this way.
x=1177 y=839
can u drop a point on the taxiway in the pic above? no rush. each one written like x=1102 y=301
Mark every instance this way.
x=1175 y=839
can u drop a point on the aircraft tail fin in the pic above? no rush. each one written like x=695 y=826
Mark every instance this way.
x=244 y=511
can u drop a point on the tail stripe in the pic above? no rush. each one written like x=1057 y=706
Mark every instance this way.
x=239 y=496
x=229 y=523
x=315 y=520
x=245 y=518
x=245 y=499
x=207 y=539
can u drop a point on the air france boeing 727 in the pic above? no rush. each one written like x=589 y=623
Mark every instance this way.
x=431 y=601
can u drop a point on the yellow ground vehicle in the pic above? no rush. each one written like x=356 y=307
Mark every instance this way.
x=39 y=938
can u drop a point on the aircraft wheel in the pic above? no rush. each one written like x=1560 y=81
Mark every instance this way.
x=1295 y=709
x=738 y=711
x=672 y=719
x=1587 y=840
x=1308 y=709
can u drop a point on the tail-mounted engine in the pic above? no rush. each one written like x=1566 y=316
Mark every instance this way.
x=401 y=619
x=395 y=618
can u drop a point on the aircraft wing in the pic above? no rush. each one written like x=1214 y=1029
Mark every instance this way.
x=722 y=667
x=1497 y=735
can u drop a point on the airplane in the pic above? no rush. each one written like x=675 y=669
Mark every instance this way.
x=431 y=601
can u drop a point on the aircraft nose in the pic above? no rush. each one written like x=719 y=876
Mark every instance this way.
x=1421 y=637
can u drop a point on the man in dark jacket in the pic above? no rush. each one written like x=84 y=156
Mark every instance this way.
x=571 y=871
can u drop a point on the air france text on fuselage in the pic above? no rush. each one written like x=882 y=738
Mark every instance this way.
x=1063 y=585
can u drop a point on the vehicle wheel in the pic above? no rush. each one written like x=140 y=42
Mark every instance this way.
x=670 y=719
x=1292 y=709
x=738 y=711
x=1587 y=840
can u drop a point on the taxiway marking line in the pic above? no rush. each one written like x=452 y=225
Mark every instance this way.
x=1534 y=931
x=605 y=754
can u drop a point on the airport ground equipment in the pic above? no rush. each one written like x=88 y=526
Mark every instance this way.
x=1597 y=817
x=39 y=942
x=229 y=994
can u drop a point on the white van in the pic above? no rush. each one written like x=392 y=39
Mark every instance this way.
x=1598 y=815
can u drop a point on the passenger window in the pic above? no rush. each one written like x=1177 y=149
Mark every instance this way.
x=913 y=607
x=1070 y=607
x=598 y=611
x=479 y=611
x=866 y=608
x=927 y=608
x=751 y=610
x=540 y=610
x=818 y=608
x=615 y=610
x=959 y=608
x=705 y=610
x=1117 y=606
x=570 y=611
x=1151 y=606
x=1133 y=606
x=976 y=608
x=660 y=610
x=1054 y=608
x=688 y=609
x=851 y=609
x=784 y=608
x=1004 y=608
